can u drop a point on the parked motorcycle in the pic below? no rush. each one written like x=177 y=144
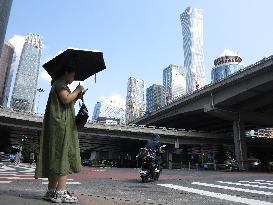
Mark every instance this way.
x=149 y=167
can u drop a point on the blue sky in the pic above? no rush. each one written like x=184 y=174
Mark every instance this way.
x=140 y=38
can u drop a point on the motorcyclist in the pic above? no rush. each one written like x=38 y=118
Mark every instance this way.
x=154 y=145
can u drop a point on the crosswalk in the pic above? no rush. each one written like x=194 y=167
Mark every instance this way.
x=247 y=192
x=11 y=172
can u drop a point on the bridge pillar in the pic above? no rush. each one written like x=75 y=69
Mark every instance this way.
x=240 y=144
x=170 y=160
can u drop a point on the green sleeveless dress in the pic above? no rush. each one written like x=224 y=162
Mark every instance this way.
x=59 y=143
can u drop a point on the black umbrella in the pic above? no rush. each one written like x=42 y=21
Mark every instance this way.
x=86 y=63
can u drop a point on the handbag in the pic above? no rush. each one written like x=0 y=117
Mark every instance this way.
x=82 y=116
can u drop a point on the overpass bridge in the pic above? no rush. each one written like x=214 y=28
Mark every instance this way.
x=103 y=139
x=241 y=101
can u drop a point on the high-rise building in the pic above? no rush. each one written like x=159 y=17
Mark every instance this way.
x=7 y=58
x=109 y=111
x=174 y=82
x=18 y=43
x=135 y=100
x=155 y=98
x=192 y=30
x=25 y=87
x=5 y=7
x=225 y=64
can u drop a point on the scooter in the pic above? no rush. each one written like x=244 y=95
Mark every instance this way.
x=149 y=167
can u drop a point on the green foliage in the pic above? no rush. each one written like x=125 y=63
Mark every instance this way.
x=29 y=148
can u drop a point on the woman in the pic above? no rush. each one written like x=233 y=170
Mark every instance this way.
x=59 y=144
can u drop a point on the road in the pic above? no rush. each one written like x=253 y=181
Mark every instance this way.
x=116 y=186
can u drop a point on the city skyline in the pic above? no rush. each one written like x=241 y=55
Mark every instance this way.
x=149 y=52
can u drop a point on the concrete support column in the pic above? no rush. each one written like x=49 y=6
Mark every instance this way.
x=240 y=144
x=93 y=155
x=170 y=159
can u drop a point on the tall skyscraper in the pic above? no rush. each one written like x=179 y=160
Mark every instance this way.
x=7 y=57
x=135 y=100
x=25 y=87
x=192 y=30
x=18 y=43
x=5 y=7
x=155 y=98
x=109 y=111
x=174 y=82
x=225 y=64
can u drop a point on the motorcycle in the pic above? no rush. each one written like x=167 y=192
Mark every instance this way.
x=149 y=167
x=232 y=165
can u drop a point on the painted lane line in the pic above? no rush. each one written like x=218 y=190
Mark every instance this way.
x=259 y=180
x=71 y=183
x=247 y=185
x=233 y=188
x=46 y=179
x=262 y=183
x=5 y=182
x=7 y=172
x=217 y=195
x=17 y=175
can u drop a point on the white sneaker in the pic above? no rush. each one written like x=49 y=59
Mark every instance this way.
x=49 y=195
x=64 y=197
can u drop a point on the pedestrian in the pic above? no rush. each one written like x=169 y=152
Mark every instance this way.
x=59 y=153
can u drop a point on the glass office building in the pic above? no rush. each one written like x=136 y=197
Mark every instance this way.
x=225 y=64
x=135 y=100
x=25 y=87
x=192 y=30
x=174 y=82
x=155 y=98
x=7 y=58
x=5 y=7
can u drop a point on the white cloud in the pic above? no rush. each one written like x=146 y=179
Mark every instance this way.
x=115 y=100
x=45 y=76
x=18 y=42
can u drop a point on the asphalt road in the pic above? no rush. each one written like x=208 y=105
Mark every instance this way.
x=111 y=186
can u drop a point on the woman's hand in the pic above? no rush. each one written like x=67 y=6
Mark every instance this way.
x=79 y=88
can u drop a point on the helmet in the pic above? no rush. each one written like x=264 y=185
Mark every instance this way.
x=155 y=137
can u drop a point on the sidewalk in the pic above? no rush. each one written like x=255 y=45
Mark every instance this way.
x=34 y=198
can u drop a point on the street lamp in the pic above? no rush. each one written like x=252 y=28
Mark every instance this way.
x=40 y=90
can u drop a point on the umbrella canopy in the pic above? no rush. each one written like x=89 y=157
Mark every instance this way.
x=85 y=62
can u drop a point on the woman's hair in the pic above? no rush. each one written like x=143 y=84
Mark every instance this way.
x=68 y=69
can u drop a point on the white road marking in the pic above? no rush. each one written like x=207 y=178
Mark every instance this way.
x=217 y=195
x=234 y=188
x=259 y=180
x=73 y=183
x=16 y=178
x=46 y=179
x=5 y=182
x=262 y=183
x=247 y=185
